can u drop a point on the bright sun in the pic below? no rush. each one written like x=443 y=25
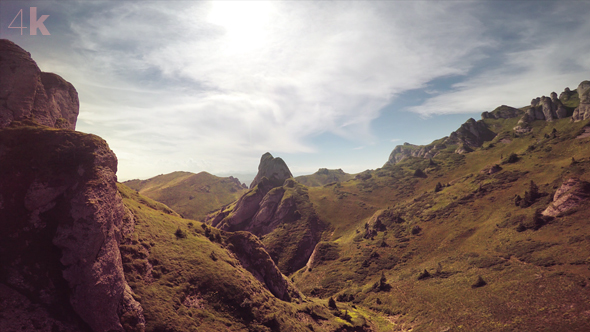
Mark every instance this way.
x=245 y=22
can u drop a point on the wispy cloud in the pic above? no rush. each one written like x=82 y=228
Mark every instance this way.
x=212 y=85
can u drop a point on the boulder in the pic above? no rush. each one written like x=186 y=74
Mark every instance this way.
x=28 y=93
x=570 y=194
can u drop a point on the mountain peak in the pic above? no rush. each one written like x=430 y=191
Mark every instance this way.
x=274 y=169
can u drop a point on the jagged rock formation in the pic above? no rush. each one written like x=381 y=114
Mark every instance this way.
x=252 y=255
x=61 y=223
x=582 y=112
x=274 y=169
x=571 y=194
x=283 y=215
x=28 y=93
x=471 y=135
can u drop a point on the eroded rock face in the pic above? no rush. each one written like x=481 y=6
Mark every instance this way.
x=28 y=93
x=471 y=135
x=60 y=225
x=252 y=255
x=582 y=112
x=274 y=169
x=571 y=194
x=284 y=216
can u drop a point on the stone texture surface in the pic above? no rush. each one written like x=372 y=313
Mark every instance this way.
x=28 y=93
x=61 y=223
x=274 y=169
x=570 y=194
x=582 y=112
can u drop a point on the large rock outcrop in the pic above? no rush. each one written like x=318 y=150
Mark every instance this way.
x=61 y=220
x=571 y=194
x=471 y=135
x=282 y=215
x=28 y=93
x=582 y=112
x=274 y=169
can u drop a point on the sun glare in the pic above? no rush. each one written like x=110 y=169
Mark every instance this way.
x=245 y=22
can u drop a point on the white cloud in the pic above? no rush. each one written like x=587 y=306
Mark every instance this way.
x=217 y=82
x=547 y=58
x=212 y=85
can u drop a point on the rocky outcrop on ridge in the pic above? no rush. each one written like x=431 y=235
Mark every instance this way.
x=582 y=112
x=61 y=223
x=28 y=93
x=570 y=194
x=274 y=169
x=471 y=135
x=282 y=215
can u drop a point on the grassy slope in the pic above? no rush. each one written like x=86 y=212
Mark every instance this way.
x=195 y=284
x=191 y=195
x=536 y=279
x=323 y=177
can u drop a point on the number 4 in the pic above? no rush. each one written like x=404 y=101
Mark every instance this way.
x=21 y=27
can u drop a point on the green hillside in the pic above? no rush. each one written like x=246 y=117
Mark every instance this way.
x=324 y=176
x=191 y=195
x=431 y=247
x=187 y=277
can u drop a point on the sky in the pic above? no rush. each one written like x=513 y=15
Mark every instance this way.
x=212 y=85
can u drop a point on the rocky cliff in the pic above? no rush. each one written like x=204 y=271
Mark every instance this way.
x=61 y=217
x=61 y=223
x=28 y=93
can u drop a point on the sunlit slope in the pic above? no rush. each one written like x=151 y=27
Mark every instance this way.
x=400 y=222
x=324 y=176
x=189 y=277
x=191 y=195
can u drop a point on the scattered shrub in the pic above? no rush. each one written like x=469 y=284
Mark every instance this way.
x=180 y=234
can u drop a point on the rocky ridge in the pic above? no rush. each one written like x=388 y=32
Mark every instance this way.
x=472 y=134
x=28 y=93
